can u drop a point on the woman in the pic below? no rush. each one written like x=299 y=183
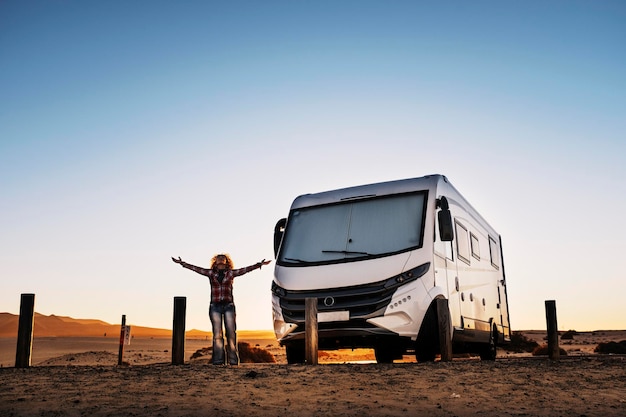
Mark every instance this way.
x=222 y=307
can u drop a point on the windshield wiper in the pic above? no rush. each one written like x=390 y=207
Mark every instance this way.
x=296 y=260
x=347 y=252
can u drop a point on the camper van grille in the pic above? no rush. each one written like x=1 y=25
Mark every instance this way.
x=362 y=301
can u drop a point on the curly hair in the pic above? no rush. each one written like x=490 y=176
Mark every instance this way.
x=229 y=262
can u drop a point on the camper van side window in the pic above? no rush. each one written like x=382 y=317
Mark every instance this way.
x=475 y=246
x=462 y=243
x=494 y=253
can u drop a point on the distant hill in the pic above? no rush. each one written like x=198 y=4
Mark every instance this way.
x=60 y=326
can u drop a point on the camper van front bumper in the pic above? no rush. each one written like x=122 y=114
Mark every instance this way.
x=358 y=304
x=339 y=335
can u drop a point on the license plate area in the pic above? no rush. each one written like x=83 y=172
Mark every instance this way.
x=328 y=316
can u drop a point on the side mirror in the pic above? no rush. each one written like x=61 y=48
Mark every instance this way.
x=279 y=231
x=445 y=221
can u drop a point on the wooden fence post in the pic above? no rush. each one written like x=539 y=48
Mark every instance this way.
x=25 y=331
x=310 y=325
x=178 y=332
x=553 y=330
x=120 y=355
x=445 y=338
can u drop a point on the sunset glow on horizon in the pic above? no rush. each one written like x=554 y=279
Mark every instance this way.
x=131 y=133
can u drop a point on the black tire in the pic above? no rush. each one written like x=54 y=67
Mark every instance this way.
x=427 y=343
x=490 y=350
x=384 y=354
x=295 y=353
x=425 y=352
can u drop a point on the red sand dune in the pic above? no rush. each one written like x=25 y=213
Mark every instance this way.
x=60 y=326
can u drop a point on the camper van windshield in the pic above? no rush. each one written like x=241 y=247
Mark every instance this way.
x=353 y=230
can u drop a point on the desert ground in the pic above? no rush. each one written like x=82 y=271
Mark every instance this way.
x=76 y=376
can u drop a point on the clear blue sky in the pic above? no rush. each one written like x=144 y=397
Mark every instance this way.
x=131 y=132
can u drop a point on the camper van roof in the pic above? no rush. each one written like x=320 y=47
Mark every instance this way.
x=369 y=190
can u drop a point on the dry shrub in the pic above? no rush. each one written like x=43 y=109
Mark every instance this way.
x=202 y=352
x=247 y=354
x=569 y=335
x=611 y=347
x=520 y=343
x=543 y=351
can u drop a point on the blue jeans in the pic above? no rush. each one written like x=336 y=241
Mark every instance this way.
x=224 y=313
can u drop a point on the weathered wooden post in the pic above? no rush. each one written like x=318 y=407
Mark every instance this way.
x=120 y=355
x=445 y=338
x=553 y=330
x=310 y=327
x=25 y=331
x=178 y=332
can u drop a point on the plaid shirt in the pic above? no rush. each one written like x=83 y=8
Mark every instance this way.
x=221 y=292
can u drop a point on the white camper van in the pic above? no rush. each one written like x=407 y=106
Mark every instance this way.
x=377 y=257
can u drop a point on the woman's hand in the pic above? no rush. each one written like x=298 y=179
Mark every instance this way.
x=263 y=262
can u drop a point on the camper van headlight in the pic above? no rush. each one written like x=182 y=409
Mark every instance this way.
x=278 y=290
x=408 y=276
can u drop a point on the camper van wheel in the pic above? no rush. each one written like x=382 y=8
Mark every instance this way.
x=489 y=351
x=386 y=354
x=425 y=353
x=295 y=353
x=427 y=343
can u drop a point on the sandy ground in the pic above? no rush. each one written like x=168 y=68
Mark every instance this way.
x=86 y=381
